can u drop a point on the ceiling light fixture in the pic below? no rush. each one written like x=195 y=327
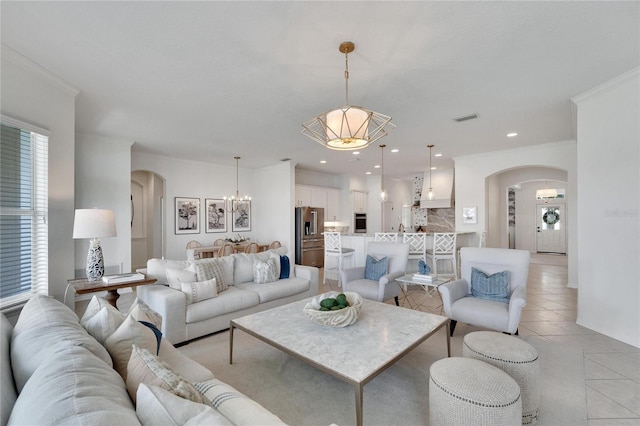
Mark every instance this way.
x=512 y=135
x=383 y=194
x=349 y=127
x=430 y=193
x=235 y=201
x=546 y=193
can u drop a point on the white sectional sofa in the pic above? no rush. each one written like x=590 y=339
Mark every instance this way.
x=186 y=321
x=53 y=371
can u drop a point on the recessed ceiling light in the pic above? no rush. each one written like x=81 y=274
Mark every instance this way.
x=368 y=173
x=356 y=152
x=437 y=155
x=377 y=166
x=512 y=135
x=323 y=161
x=434 y=168
x=395 y=150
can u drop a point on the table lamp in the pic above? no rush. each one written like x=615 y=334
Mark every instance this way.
x=94 y=223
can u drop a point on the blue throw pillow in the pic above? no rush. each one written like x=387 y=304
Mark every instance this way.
x=155 y=330
x=375 y=268
x=491 y=287
x=285 y=267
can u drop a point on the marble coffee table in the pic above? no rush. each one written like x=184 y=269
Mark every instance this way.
x=355 y=354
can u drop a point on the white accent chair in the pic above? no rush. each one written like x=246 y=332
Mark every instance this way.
x=459 y=304
x=333 y=249
x=386 y=237
x=444 y=248
x=385 y=288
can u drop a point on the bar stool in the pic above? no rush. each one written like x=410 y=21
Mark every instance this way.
x=417 y=245
x=333 y=248
x=386 y=237
x=444 y=248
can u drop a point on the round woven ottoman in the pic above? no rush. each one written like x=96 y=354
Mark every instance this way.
x=515 y=357
x=465 y=391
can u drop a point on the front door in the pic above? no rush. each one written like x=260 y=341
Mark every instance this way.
x=551 y=228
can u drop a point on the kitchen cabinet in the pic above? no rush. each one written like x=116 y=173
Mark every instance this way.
x=332 y=213
x=303 y=196
x=319 y=198
x=359 y=201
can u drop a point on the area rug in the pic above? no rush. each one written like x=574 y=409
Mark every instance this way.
x=302 y=395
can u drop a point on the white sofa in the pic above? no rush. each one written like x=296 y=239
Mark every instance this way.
x=184 y=321
x=52 y=371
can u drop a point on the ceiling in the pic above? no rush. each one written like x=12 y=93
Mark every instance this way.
x=207 y=81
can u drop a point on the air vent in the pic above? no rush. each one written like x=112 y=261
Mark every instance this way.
x=466 y=117
x=285 y=159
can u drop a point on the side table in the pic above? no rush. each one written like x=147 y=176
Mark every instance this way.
x=428 y=287
x=83 y=286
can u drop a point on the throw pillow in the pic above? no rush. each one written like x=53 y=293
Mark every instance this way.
x=491 y=287
x=374 y=268
x=156 y=406
x=156 y=332
x=95 y=304
x=120 y=342
x=177 y=276
x=145 y=367
x=265 y=271
x=285 y=267
x=142 y=312
x=208 y=270
x=198 y=291
x=104 y=323
x=235 y=406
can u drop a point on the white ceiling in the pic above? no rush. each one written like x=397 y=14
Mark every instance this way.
x=210 y=80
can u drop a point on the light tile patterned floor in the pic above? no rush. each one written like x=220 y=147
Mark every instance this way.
x=612 y=368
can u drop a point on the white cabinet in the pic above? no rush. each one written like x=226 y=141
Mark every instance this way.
x=359 y=201
x=319 y=198
x=332 y=213
x=303 y=196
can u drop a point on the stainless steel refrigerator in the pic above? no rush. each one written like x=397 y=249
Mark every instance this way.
x=309 y=238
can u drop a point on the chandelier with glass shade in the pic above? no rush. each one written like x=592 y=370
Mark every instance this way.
x=348 y=127
x=234 y=202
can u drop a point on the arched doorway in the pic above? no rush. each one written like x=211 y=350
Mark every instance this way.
x=147 y=217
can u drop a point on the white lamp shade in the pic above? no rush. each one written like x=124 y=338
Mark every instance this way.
x=348 y=125
x=94 y=223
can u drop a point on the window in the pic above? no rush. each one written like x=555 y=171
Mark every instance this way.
x=24 y=264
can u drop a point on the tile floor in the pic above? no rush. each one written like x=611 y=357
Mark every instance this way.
x=612 y=368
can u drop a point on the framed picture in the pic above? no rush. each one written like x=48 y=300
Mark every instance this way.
x=187 y=215
x=241 y=216
x=216 y=215
x=469 y=215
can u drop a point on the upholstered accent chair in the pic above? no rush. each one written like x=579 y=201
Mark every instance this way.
x=384 y=288
x=486 y=309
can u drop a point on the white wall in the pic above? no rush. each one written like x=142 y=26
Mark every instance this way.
x=608 y=200
x=33 y=95
x=103 y=180
x=472 y=170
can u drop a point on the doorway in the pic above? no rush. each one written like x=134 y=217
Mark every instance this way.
x=147 y=217
x=551 y=227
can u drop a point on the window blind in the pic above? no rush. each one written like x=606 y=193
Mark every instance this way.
x=24 y=258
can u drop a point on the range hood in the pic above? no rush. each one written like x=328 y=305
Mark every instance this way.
x=442 y=186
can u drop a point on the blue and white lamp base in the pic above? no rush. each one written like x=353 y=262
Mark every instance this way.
x=95 y=261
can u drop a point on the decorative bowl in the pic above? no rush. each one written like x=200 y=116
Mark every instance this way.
x=338 y=318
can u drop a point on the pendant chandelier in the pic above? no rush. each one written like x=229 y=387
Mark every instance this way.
x=430 y=193
x=349 y=127
x=383 y=194
x=233 y=202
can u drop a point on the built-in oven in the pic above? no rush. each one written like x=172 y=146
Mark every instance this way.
x=360 y=223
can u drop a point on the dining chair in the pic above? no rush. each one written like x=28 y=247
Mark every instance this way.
x=444 y=248
x=252 y=248
x=483 y=239
x=386 y=237
x=333 y=249
x=218 y=242
x=275 y=244
x=226 y=250
x=193 y=244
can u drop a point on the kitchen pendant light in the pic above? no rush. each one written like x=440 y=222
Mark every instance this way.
x=383 y=194
x=430 y=193
x=349 y=127
x=234 y=202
